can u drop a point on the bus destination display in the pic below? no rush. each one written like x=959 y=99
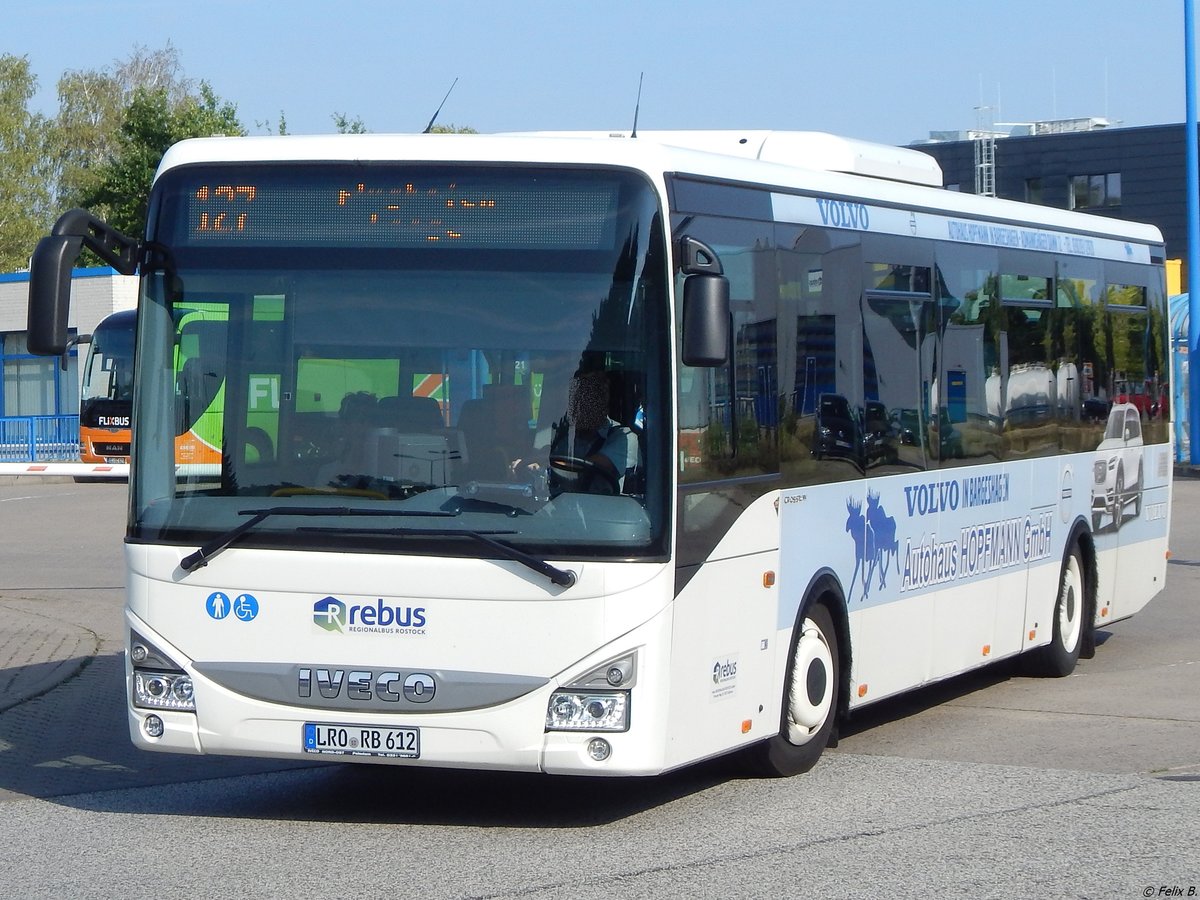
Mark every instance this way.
x=511 y=212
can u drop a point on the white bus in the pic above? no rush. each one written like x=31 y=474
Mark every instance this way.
x=603 y=455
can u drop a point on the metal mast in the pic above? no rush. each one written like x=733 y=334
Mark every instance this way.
x=985 y=154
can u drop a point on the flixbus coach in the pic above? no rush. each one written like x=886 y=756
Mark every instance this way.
x=106 y=396
x=603 y=455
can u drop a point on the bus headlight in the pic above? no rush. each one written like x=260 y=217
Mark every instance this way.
x=588 y=711
x=588 y=703
x=163 y=690
x=158 y=682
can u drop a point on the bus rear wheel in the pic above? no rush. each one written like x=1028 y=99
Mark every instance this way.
x=810 y=700
x=1058 y=658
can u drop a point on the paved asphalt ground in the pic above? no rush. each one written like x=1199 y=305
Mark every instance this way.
x=990 y=785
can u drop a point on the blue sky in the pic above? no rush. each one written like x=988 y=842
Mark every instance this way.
x=870 y=69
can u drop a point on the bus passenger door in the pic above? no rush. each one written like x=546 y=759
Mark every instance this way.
x=725 y=689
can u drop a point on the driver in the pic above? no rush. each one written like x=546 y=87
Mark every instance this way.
x=591 y=452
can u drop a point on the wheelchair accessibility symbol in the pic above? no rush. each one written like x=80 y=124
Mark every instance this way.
x=244 y=606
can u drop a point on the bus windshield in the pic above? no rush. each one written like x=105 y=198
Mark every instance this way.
x=451 y=347
x=108 y=373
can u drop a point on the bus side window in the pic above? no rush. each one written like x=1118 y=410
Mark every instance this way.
x=973 y=357
x=729 y=414
x=901 y=429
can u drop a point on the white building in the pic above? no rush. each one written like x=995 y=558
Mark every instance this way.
x=36 y=385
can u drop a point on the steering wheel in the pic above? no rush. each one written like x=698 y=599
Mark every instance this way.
x=578 y=465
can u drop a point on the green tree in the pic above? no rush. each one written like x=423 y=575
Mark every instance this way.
x=345 y=125
x=91 y=109
x=152 y=123
x=270 y=127
x=24 y=196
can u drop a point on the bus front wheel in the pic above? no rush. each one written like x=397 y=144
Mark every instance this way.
x=1058 y=658
x=810 y=700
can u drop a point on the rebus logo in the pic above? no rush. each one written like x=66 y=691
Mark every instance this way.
x=330 y=614
x=722 y=671
x=334 y=615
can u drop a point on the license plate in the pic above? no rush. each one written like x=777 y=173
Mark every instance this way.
x=362 y=740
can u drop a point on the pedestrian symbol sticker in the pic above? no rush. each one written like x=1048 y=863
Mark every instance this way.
x=218 y=605
x=244 y=606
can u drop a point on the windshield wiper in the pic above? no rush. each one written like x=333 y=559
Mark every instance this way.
x=208 y=550
x=561 y=577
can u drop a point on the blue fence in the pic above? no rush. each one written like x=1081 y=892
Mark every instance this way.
x=39 y=438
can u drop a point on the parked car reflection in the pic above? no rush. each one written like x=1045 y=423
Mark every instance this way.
x=836 y=432
x=879 y=437
x=1095 y=409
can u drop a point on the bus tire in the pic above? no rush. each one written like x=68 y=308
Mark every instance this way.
x=1058 y=658
x=810 y=700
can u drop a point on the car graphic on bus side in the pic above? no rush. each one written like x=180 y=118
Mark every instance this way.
x=1117 y=469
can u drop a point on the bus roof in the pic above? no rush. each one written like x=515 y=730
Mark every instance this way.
x=122 y=318
x=810 y=162
x=801 y=149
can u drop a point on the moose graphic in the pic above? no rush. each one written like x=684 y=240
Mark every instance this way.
x=875 y=543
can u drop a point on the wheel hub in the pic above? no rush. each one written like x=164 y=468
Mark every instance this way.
x=812 y=685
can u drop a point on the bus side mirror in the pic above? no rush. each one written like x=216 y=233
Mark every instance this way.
x=705 y=320
x=50 y=273
x=50 y=293
x=705 y=304
x=65 y=360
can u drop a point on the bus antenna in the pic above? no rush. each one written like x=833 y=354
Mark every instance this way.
x=637 y=106
x=429 y=127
